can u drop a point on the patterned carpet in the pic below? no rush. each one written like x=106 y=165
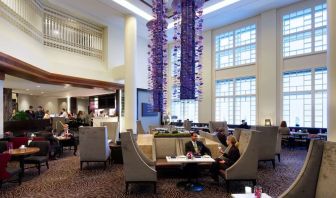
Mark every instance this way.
x=64 y=179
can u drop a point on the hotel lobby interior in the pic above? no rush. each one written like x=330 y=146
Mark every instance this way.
x=168 y=98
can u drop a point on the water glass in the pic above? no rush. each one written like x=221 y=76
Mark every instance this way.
x=248 y=190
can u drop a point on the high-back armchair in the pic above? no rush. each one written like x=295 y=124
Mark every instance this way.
x=93 y=145
x=267 y=143
x=112 y=130
x=137 y=168
x=317 y=175
x=245 y=168
x=140 y=129
x=7 y=173
x=187 y=125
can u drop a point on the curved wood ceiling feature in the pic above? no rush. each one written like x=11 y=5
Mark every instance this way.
x=15 y=67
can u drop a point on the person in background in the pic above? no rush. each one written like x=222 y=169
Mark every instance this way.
x=64 y=114
x=222 y=135
x=227 y=159
x=67 y=133
x=80 y=117
x=283 y=129
x=243 y=125
x=30 y=113
x=39 y=114
x=46 y=115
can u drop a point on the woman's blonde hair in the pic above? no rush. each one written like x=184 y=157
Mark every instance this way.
x=232 y=139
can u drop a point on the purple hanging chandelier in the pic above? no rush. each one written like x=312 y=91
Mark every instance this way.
x=187 y=51
x=158 y=56
x=188 y=48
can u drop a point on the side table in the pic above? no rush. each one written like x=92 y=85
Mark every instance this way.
x=116 y=153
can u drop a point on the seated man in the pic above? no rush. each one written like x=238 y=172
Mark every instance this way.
x=197 y=148
x=227 y=159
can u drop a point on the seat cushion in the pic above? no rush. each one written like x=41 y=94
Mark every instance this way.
x=35 y=159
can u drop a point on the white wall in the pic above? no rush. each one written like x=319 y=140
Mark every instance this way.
x=48 y=103
x=142 y=63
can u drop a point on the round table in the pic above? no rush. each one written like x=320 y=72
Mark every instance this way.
x=22 y=153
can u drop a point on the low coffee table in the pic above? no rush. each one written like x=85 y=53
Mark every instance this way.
x=188 y=185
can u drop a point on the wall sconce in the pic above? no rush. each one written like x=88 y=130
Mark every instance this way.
x=268 y=122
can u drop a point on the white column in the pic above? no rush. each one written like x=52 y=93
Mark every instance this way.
x=205 y=106
x=267 y=69
x=130 y=66
x=1 y=108
x=331 y=63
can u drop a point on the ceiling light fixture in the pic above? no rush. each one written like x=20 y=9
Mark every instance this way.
x=129 y=6
x=27 y=89
x=38 y=86
x=212 y=8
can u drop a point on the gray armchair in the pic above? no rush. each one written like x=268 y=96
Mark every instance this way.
x=245 y=168
x=140 y=129
x=137 y=168
x=187 y=125
x=317 y=175
x=267 y=143
x=112 y=130
x=93 y=145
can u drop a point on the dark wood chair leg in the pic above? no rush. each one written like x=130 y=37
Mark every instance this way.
x=154 y=187
x=273 y=163
x=278 y=157
x=126 y=187
x=39 y=168
x=47 y=163
x=81 y=165
x=105 y=165
x=20 y=178
x=0 y=184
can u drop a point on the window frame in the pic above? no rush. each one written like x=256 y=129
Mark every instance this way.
x=312 y=30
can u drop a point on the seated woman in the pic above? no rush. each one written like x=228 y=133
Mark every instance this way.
x=283 y=129
x=227 y=159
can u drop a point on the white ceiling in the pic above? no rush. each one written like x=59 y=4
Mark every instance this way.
x=22 y=86
x=107 y=11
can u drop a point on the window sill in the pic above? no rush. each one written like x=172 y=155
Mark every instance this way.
x=238 y=66
x=303 y=55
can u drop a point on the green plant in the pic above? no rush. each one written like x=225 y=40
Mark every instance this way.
x=20 y=115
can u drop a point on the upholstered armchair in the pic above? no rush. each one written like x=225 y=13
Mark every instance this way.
x=3 y=146
x=93 y=145
x=187 y=125
x=278 y=146
x=6 y=174
x=140 y=129
x=317 y=175
x=267 y=143
x=245 y=168
x=40 y=158
x=112 y=130
x=214 y=125
x=137 y=168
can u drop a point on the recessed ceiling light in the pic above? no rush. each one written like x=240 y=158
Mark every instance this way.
x=31 y=94
x=42 y=92
x=27 y=89
x=134 y=9
x=38 y=86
